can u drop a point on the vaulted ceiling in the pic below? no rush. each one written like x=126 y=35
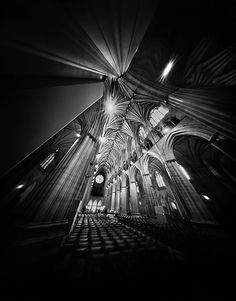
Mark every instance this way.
x=125 y=44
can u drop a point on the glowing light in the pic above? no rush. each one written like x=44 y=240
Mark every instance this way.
x=167 y=69
x=173 y=205
x=165 y=130
x=110 y=107
x=206 y=197
x=184 y=172
x=140 y=203
x=77 y=135
x=144 y=151
x=102 y=139
x=20 y=186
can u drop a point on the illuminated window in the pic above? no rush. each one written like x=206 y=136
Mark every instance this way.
x=157 y=115
x=94 y=206
x=167 y=69
x=173 y=205
x=160 y=181
x=99 y=205
x=89 y=206
x=205 y=197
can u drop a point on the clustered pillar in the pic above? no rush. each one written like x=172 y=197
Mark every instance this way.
x=134 y=197
x=149 y=195
x=190 y=203
x=57 y=195
x=124 y=190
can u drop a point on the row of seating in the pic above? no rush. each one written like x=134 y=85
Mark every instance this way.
x=104 y=234
x=105 y=250
x=180 y=235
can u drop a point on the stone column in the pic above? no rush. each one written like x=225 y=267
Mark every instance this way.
x=149 y=195
x=124 y=199
x=105 y=197
x=159 y=208
x=191 y=204
x=220 y=203
x=113 y=197
x=54 y=198
x=156 y=191
x=108 y=200
x=134 y=197
x=117 y=206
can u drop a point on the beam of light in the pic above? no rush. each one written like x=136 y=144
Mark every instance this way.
x=167 y=69
x=184 y=172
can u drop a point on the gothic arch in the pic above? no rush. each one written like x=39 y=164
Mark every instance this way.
x=193 y=129
x=133 y=171
x=205 y=165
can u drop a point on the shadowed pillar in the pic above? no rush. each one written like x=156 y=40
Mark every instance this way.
x=191 y=204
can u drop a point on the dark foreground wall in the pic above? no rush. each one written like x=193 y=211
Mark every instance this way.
x=30 y=117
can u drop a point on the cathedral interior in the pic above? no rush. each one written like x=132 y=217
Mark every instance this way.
x=118 y=167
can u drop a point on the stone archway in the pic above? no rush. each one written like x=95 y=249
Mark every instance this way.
x=191 y=204
x=212 y=174
x=125 y=194
x=165 y=200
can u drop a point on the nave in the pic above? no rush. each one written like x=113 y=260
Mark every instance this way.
x=121 y=254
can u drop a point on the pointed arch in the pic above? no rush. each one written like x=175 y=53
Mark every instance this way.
x=194 y=130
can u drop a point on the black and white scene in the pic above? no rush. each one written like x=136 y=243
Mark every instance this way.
x=118 y=162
